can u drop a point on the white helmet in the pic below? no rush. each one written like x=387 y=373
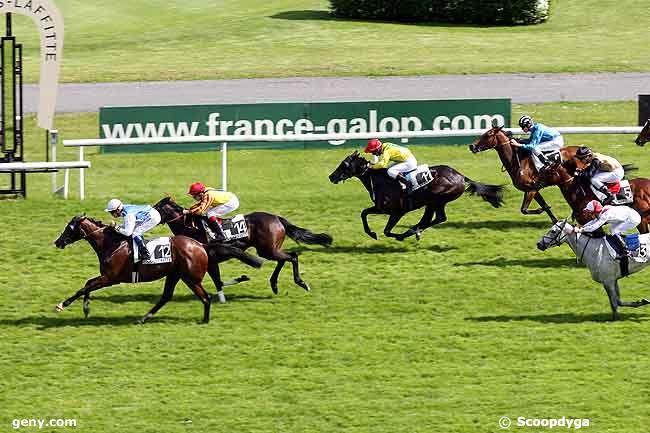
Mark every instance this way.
x=113 y=204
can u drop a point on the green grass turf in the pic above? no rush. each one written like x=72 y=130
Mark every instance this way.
x=443 y=335
x=172 y=40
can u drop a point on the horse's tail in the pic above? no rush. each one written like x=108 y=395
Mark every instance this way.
x=225 y=252
x=492 y=194
x=303 y=235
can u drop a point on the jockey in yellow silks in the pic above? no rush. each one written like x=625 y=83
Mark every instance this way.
x=397 y=159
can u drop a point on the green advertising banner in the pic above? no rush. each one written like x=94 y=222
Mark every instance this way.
x=297 y=118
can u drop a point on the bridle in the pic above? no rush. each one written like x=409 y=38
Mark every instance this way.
x=558 y=238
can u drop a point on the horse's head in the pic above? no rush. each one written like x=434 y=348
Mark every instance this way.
x=75 y=230
x=556 y=235
x=168 y=209
x=644 y=136
x=351 y=166
x=490 y=139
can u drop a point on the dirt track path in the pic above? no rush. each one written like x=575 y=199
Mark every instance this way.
x=521 y=88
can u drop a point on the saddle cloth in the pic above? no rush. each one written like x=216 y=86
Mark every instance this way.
x=621 y=191
x=232 y=228
x=160 y=251
x=419 y=177
x=640 y=251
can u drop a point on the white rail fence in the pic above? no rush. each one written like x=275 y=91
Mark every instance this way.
x=335 y=139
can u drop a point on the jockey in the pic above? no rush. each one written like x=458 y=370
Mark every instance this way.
x=542 y=138
x=620 y=219
x=397 y=159
x=137 y=221
x=601 y=169
x=212 y=203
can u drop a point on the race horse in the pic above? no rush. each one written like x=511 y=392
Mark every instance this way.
x=266 y=232
x=189 y=262
x=519 y=165
x=644 y=135
x=388 y=198
x=593 y=252
x=577 y=193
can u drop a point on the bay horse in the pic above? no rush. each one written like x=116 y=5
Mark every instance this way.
x=266 y=232
x=644 y=135
x=577 y=193
x=519 y=165
x=387 y=195
x=592 y=251
x=114 y=251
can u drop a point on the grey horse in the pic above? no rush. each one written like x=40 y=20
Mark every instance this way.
x=593 y=252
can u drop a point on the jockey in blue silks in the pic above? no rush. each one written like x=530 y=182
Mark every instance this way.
x=137 y=221
x=542 y=139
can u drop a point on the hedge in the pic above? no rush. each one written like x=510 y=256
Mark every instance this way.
x=491 y=12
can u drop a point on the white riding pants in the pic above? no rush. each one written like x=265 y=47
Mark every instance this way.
x=603 y=177
x=402 y=167
x=223 y=209
x=556 y=144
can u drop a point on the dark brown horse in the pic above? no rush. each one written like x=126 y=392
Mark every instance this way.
x=114 y=251
x=388 y=197
x=519 y=165
x=577 y=193
x=266 y=232
x=644 y=135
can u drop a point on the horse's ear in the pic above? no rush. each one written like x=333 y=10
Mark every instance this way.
x=495 y=123
x=355 y=153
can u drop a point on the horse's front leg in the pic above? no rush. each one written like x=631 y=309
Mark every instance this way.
x=364 y=219
x=90 y=286
x=545 y=207
x=392 y=221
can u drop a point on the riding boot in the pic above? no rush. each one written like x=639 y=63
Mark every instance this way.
x=402 y=181
x=214 y=225
x=609 y=196
x=143 y=253
x=621 y=246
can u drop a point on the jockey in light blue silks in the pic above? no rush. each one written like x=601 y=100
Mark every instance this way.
x=542 y=139
x=137 y=221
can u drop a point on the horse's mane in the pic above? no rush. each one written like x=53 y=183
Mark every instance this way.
x=94 y=221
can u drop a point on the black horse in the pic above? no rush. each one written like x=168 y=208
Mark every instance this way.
x=388 y=197
x=266 y=232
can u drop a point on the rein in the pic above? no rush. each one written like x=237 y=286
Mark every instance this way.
x=93 y=232
x=583 y=250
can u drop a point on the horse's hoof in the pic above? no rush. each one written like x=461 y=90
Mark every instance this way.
x=306 y=287
x=243 y=278
x=221 y=297
x=59 y=307
x=418 y=235
x=373 y=235
x=275 y=289
x=644 y=301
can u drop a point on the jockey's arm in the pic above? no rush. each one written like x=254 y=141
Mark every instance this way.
x=129 y=225
x=594 y=224
x=534 y=139
x=382 y=162
x=201 y=207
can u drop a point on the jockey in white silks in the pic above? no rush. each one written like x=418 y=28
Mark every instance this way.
x=137 y=221
x=601 y=169
x=621 y=219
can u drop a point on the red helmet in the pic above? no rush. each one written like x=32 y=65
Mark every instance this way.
x=196 y=188
x=373 y=145
x=594 y=206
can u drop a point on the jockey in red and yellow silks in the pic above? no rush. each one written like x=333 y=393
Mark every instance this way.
x=397 y=159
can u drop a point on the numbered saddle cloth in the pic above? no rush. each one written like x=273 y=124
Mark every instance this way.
x=160 y=251
x=419 y=177
x=621 y=191
x=232 y=228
